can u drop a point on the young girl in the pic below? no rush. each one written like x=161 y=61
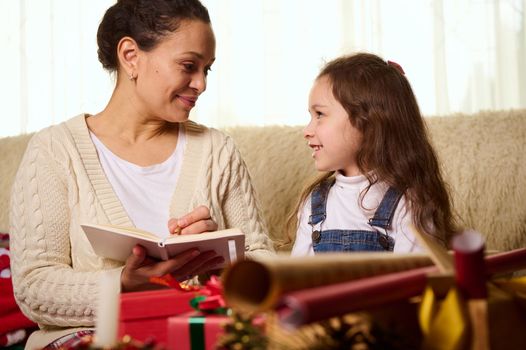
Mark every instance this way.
x=381 y=174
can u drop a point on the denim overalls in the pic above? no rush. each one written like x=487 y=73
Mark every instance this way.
x=352 y=240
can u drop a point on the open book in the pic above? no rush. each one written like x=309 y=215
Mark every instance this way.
x=117 y=242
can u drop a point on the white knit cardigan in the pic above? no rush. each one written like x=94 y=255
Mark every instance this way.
x=60 y=184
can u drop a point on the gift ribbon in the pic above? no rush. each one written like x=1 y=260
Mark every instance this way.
x=210 y=299
x=444 y=324
x=197 y=332
x=169 y=281
x=516 y=286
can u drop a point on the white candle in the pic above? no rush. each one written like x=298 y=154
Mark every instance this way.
x=107 y=311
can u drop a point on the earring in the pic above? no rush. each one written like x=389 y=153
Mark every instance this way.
x=131 y=77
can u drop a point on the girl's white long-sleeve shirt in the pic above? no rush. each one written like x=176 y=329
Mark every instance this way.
x=346 y=211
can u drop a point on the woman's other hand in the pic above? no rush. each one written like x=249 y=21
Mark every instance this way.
x=140 y=268
x=196 y=221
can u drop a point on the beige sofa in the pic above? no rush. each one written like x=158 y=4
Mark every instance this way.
x=483 y=157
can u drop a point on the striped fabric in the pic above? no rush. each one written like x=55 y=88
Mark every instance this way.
x=72 y=341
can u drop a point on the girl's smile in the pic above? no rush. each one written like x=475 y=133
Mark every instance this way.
x=315 y=149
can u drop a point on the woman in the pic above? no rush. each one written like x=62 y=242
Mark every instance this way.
x=138 y=162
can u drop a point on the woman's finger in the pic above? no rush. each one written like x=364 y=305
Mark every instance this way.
x=198 y=214
x=200 y=227
x=174 y=263
x=173 y=228
x=132 y=277
x=212 y=264
x=188 y=269
x=136 y=258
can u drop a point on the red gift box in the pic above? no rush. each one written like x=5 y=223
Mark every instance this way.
x=143 y=315
x=195 y=330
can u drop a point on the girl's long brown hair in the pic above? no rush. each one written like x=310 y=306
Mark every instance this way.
x=380 y=103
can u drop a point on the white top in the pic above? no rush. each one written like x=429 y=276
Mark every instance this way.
x=145 y=192
x=346 y=212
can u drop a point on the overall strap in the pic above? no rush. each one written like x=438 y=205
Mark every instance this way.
x=319 y=201
x=385 y=212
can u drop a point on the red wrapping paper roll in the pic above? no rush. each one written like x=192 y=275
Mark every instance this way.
x=470 y=269
x=314 y=304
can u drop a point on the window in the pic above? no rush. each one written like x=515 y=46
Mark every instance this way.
x=460 y=56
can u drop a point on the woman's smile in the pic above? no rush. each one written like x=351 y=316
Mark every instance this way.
x=188 y=101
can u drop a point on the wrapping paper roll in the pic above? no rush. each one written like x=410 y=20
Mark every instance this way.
x=314 y=304
x=470 y=269
x=470 y=276
x=253 y=286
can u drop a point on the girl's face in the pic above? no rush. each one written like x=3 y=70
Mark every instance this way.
x=171 y=77
x=334 y=141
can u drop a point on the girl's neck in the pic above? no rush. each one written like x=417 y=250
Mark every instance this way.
x=351 y=170
x=355 y=179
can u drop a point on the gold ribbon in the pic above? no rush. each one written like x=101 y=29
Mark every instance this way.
x=515 y=286
x=445 y=323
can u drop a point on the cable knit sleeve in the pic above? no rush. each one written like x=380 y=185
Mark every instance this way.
x=46 y=287
x=240 y=207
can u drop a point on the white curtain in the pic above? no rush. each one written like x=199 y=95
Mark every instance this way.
x=459 y=55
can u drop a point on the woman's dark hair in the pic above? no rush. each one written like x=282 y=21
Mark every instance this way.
x=381 y=105
x=146 y=21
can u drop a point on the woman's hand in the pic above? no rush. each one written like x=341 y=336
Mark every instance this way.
x=139 y=268
x=196 y=221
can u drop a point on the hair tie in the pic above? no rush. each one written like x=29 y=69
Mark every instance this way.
x=397 y=66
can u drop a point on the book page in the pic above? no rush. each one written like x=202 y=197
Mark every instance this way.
x=202 y=236
x=218 y=241
x=116 y=242
x=124 y=230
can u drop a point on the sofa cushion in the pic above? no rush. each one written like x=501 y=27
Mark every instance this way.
x=484 y=161
x=11 y=152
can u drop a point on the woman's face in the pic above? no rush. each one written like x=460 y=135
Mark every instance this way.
x=171 y=77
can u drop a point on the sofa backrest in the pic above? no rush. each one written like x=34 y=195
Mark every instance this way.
x=11 y=152
x=483 y=158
